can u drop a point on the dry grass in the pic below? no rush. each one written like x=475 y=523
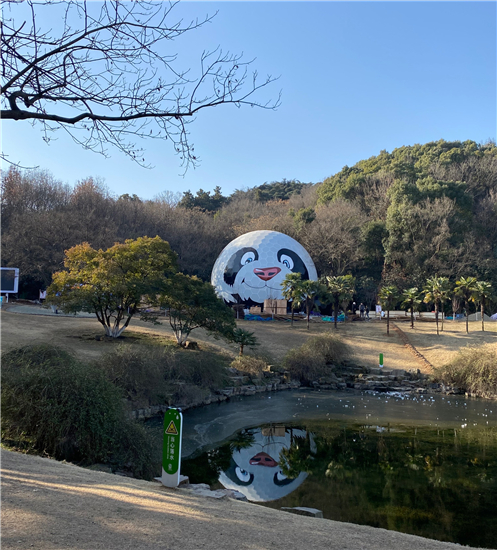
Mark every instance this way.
x=440 y=350
x=367 y=339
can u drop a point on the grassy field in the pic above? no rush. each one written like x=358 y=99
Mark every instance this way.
x=22 y=325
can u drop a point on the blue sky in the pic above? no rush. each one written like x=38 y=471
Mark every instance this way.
x=356 y=78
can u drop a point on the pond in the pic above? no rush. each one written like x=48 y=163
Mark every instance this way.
x=425 y=465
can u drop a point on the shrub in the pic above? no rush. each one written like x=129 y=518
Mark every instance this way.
x=333 y=350
x=53 y=404
x=305 y=364
x=205 y=368
x=150 y=375
x=142 y=372
x=254 y=366
x=473 y=370
x=314 y=358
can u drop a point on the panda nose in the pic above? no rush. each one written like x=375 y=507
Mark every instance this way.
x=263 y=459
x=267 y=273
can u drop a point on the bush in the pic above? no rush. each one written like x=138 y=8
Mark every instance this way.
x=316 y=357
x=142 y=372
x=53 y=404
x=253 y=366
x=151 y=374
x=305 y=364
x=333 y=350
x=473 y=370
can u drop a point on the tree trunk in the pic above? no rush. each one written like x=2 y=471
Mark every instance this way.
x=436 y=317
x=388 y=321
x=482 y=316
x=293 y=311
x=412 y=315
x=336 y=313
x=115 y=331
x=308 y=315
x=241 y=350
x=466 y=304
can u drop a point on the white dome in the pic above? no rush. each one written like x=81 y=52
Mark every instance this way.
x=252 y=267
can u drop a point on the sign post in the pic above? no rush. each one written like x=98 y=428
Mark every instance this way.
x=381 y=360
x=171 y=449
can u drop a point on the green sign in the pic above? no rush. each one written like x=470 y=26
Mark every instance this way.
x=171 y=450
x=381 y=359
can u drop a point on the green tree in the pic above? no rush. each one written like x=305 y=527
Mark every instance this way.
x=292 y=290
x=411 y=301
x=192 y=303
x=465 y=288
x=435 y=289
x=388 y=296
x=483 y=291
x=310 y=290
x=112 y=283
x=243 y=338
x=446 y=292
x=340 y=287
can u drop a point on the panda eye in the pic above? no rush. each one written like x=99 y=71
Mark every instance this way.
x=286 y=260
x=242 y=475
x=247 y=258
x=280 y=476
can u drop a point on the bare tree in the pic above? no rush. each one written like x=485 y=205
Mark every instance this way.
x=103 y=74
x=333 y=238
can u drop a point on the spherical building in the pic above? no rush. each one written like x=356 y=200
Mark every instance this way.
x=252 y=267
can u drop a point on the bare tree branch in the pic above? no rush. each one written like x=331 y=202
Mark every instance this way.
x=104 y=74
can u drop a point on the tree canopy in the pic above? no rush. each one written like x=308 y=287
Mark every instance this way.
x=192 y=303
x=113 y=283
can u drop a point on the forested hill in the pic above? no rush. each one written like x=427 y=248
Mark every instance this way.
x=398 y=217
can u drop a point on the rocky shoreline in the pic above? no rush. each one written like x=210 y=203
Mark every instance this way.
x=348 y=378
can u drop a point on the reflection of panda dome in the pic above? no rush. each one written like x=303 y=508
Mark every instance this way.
x=252 y=267
x=257 y=482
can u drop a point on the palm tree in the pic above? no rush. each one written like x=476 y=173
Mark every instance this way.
x=292 y=290
x=388 y=296
x=435 y=288
x=483 y=291
x=310 y=290
x=411 y=301
x=243 y=338
x=340 y=287
x=446 y=291
x=465 y=288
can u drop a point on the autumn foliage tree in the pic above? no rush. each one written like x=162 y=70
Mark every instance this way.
x=113 y=283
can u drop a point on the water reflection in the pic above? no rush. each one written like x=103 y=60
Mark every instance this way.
x=261 y=468
x=439 y=483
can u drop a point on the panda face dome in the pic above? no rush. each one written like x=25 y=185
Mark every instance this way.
x=252 y=267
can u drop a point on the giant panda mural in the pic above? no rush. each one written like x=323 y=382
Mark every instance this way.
x=251 y=268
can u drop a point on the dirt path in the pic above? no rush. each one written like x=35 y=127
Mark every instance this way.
x=50 y=505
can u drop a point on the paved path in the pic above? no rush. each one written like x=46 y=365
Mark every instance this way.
x=50 y=505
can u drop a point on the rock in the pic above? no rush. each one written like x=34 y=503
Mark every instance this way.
x=191 y=345
x=203 y=490
x=303 y=511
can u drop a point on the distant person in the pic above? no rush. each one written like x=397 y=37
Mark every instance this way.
x=354 y=307
x=367 y=312
x=361 y=310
